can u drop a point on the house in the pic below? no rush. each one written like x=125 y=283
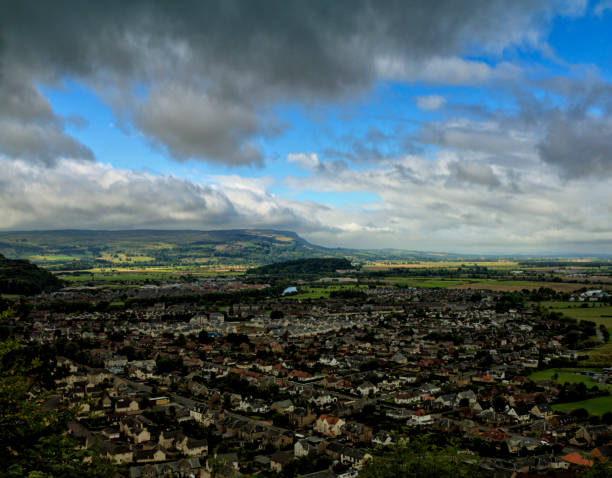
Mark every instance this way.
x=125 y=405
x=185 y=467
x=399 y=358
x=329 y=425
x=354 y=457
x=382 y=439
x=111 y=433
x=301 y=417
x=307 y=446
x=253 y=406
x=446 y=401
x=367 y=389
x=283 y=406
x=193 y=447
x=137 y=428
x=120 y=454
x=542 y=410
x=407 y=398
x=420 y=420
x=577 y=459
x=468 y=395
x=149 y=455
x=323 y=399
x=279 y=459
x=517 y=444
x=200 y=415
x=357 y=432
x=168 y=438
x=159 y=400
x=592 y=435
x=279 y=440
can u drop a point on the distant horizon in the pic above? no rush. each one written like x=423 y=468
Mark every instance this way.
x=465 y=255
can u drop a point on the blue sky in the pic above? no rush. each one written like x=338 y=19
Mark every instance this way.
x=481 y=127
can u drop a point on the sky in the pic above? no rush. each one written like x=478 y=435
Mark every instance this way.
x=480 y=126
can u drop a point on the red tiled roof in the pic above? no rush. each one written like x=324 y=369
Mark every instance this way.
x=577 y=459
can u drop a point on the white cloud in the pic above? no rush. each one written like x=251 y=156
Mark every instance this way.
x=444 y=70
x=430 y=102
x=309 y=161
x=447 y=203
x=602 y=7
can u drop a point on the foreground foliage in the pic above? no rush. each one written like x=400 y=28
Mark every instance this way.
x=33 y=441
x=422 y=459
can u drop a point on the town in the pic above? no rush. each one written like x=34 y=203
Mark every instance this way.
x=223 y=378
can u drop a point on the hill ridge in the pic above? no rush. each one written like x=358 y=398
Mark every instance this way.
x=81 y=248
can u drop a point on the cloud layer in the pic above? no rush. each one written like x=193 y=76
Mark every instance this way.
x=447 y=204
x=198 y=77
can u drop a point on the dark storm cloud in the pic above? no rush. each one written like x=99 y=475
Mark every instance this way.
x=237 y=57
x=474 y=173
x=579 y=148
x=28 y=127
x=578 y=138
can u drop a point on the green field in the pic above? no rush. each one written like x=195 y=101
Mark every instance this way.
x=595 y=312
x=599 y=356
x=490 y=284
x=102 y=275
x=563 y=376
x=501 y=265
x=322 y=292
x=433 y=283
x=595 y=406
x=52 y=258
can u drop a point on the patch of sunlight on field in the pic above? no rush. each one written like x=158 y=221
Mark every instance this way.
x=439 y=264
x=52 y=258
x=563 y=376
x=595 y=406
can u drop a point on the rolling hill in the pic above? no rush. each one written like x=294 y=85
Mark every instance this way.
x=79 y=249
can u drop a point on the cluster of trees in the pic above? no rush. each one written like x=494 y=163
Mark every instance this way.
x=422 y=458
x=577 y=392
x=580 y=334
x=234 y=383
x=348 y=294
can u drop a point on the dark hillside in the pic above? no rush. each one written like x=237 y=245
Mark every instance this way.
x=23 y=277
